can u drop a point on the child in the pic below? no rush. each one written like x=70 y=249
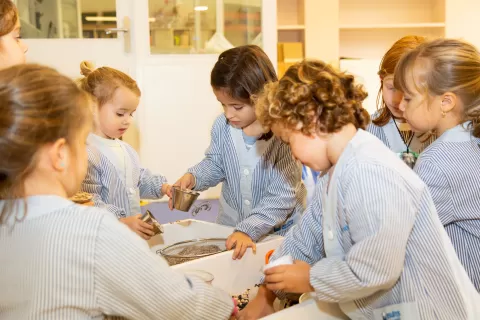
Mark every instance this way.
x=66 y=261
x=371 y=240
x=262 y=190
x=12 y=48
x=441 y=85
x=114 y=176
x=388 y=123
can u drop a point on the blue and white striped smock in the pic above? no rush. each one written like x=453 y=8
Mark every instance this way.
x=451 y=169
x=390 y=136
x=66 y=261
x=392 y=248
x=277 y=189
x=110 y=190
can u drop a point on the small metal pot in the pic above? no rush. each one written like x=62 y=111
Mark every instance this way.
x=183 y=199
x=148 y=218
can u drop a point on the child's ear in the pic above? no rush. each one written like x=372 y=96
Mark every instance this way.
x=58 y=154
x=448 y=102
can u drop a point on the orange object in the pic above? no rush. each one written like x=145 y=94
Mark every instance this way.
x=268 y=255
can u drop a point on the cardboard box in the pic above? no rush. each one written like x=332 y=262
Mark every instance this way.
x=283 y=67
x=290 y=51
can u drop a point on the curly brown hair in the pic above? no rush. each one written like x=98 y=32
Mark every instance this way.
x=312 y=97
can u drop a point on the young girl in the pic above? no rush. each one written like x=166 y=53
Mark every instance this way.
x=262 y=190
x=371 y=240
x=12 y=48
x=66 y=261
x=441 y=85
x=388 y=123
x=114 y=175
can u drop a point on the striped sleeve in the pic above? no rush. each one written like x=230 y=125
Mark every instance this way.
x=279 y=201
x=122 y=290
x=93 y=185
x=209 y=172
x=438 y=186
x=150 y=185
x=380 y=220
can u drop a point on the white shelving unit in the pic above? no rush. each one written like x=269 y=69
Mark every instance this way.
x=367 y=28
x=291 y=21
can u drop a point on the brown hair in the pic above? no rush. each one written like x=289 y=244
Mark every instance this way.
x=38 y=106
x=450 y=65
x=243 y=72
x=313 y=97
x=8 y=17
x=102 y=82
x=387 y=67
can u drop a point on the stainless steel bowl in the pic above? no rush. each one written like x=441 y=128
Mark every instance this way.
x=148 y=218
x=183 y=199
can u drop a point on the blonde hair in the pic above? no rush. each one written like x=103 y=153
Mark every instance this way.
x=102 y=82
x=38 y=106
x=313 y=97
x=387 y=67
x=8 y=17
x=450 y=66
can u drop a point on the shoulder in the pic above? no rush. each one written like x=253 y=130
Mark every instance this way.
x=94 y=155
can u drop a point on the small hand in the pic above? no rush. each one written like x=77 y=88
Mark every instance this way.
x=292 y=278
x=166 y=189
x=138 y=226
x=241 y=242
x=261 y=306
x=187 y=181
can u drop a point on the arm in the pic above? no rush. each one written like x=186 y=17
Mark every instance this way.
x=381 y=212
x=280 y=199
x=133 y=282
x=150 y=185
x=209 y=172
x=93 y=185
x=439 y=189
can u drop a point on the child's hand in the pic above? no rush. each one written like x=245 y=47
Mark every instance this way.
x=138 y=226
x=261 y=306
x=185 y=182
x=167 y=189
x=292 y=278
x=241 y=242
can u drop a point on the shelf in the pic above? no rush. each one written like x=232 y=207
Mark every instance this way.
x=291 y=27
x=393 y=26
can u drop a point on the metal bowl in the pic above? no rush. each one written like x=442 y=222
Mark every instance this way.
x=148 y=218
x=179 y=252
x=183 y=199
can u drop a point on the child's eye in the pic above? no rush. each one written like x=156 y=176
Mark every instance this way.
x=406 y=99
x=131 y=114
x=120 y=114
x=238 y=107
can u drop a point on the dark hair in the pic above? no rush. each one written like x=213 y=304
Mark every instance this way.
x=38 y=106
x=387 y=67
x=8 y=17
x=243 y=72
x=313 y=97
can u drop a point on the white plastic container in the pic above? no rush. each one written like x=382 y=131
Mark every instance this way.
x=235 y=276
x=189 y=229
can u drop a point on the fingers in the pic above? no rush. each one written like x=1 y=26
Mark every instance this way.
x=230 y=242
x=239 y=250
x=274 y=270
x=170 y=203
x=279 y=286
